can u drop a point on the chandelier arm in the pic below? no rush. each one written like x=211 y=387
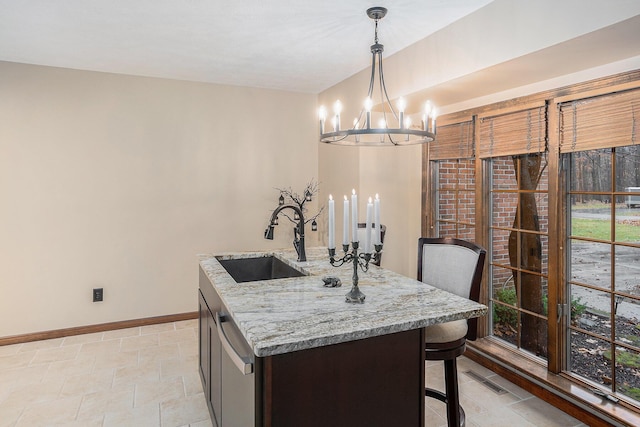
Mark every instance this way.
x=371 y=84
x=383 y=86
x=373 y=74
x=383 y=90
x=382 y=98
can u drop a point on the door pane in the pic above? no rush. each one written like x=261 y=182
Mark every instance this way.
x=627 y=264
x=534 y=334
x=446 y=205
x=627 y=364
x=590 y=309
x=591 y=172
x=590 y=263
x=603 y=269
x=503 y=209
x=519 y=238
x=591 y=221
x=628 y=168
x=455 y=209
x=585 y=358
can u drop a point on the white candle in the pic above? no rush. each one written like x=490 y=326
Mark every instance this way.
x=433 y=120
x=322 y=115
x=427 y=114
x=376 y=210
x=368 y=104
x=354 y=216
x=337 y=109
x=345 y=222
x=401 y=106
x=332 y=222
x=367 y=236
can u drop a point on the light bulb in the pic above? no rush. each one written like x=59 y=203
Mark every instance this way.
x=322 y=113
x=382 y=124
x=368 y=104
x=407 y=122
x=427 y=108
x=337 y=107
x=401 y=105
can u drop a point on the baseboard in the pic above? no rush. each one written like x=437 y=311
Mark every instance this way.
x=102 y=327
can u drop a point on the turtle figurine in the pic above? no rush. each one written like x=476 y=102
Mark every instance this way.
x=331 y=282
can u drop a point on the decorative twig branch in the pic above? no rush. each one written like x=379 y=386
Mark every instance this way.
x=311 y=190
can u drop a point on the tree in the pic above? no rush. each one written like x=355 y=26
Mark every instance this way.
x=525 y=252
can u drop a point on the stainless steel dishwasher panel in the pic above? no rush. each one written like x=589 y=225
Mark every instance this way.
x=238 y=376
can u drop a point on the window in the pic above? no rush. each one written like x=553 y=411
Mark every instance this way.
x=603 y=240
x=549 y=184
x=454 y=180
x=513 y=145
x=455 y=197
x=519 y=242
x=603 y=265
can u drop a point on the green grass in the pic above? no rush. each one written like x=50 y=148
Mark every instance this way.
x=625 y=358
x=601 y=229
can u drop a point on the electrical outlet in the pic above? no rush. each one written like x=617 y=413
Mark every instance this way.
x=97 y=294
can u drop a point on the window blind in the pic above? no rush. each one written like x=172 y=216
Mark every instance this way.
x=611 y=120
x=454 y=141
x=513 y=133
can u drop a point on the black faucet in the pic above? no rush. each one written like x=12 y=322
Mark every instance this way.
x=298 y=230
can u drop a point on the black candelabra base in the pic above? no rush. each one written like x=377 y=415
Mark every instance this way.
x=355 y=295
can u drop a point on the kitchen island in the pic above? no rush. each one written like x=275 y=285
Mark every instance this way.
x=291 y=352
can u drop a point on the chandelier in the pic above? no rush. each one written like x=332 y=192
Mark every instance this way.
x=385 y=125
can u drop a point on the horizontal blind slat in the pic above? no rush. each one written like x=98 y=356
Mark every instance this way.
x=610 y=120
x=454 y=141
x=514 y=133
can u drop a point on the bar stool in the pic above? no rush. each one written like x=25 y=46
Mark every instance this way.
x=455 y=266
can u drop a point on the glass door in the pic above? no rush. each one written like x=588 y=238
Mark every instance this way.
x=603 y=268
x=519 y=219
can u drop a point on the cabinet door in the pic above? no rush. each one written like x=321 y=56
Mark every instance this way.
x=204 y=335
x=215 y=373
x=238 y=378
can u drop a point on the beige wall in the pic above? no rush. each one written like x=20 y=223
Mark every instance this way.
x=118 y=182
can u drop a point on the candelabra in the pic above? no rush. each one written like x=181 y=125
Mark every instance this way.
x=362 y=260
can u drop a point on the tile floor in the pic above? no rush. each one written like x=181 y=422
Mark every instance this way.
x=148 y=376
x=484 y=407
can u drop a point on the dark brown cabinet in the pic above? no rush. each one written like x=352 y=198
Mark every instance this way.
x=378 y=381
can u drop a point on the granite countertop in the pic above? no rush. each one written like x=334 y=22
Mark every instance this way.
x=285 y=315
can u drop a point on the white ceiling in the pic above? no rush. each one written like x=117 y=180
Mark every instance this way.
x=296 y=45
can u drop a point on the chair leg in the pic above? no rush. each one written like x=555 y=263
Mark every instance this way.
x=455 y=413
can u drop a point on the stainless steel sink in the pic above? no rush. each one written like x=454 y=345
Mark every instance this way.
x=259 y=268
